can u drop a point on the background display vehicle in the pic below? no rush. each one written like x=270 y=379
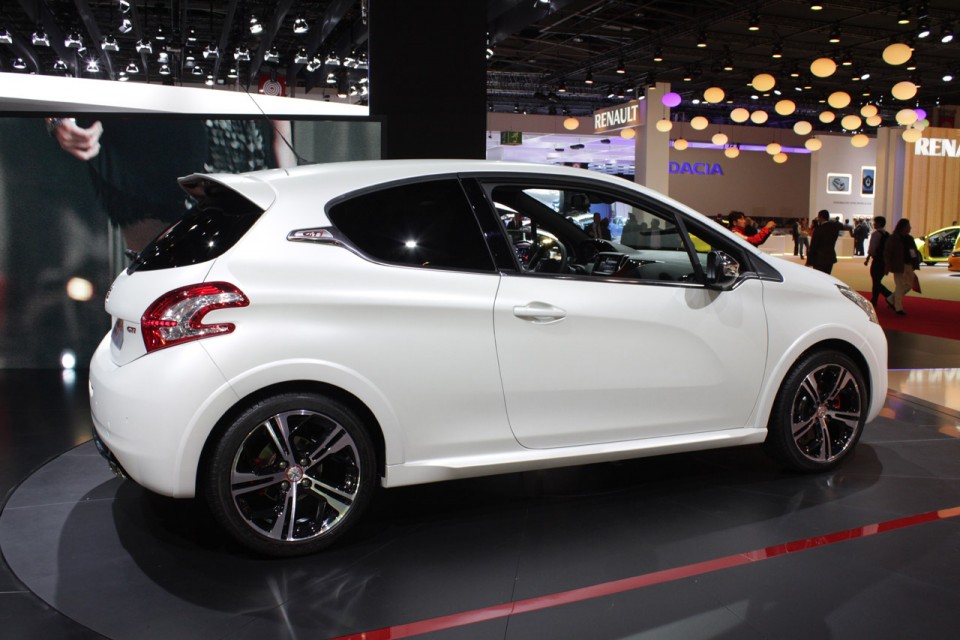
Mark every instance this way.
x=953 y=262
x=305 y=335
x=937 y=246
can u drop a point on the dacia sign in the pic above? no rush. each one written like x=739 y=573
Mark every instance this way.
x=696 y=168
x=943 y=147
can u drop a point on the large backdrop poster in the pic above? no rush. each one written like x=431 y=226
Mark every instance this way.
x=67 y=214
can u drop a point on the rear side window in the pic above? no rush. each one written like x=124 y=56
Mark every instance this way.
x=426 y=224
x=205 y=232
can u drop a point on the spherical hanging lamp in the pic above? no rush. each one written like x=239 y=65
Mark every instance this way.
x=921 y=113
x=629 y=134
x=785 y=107
x=868 y=110
x=897 y=53
x=904 y=90
x=699 y=123
x=719 y=139
x=764 y=82
x=874 y=121
x=813 y=144
x=906 y=116
x=739 y=115
x=680 y=144
x=780 y=158
x=851 y=122
x=921 y=124
x=911 y=135
x=714 y=95
x=663 y=125
x=839 y=99
x=731 y=151
x=571 y=124
x=774 y=148
x=759 y=116
x=802 y=127
x=823 y=67
x=671 y=99
x=860 y=140
x=826 y=117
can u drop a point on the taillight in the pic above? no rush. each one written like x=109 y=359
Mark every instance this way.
x=177 y=316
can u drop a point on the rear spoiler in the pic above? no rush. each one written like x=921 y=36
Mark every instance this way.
x=202 y=185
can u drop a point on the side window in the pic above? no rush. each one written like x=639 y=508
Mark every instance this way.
x=426 y=224
x=571 y=230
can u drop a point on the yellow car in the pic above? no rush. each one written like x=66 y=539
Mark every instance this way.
x=937 y=246
x=953 y=262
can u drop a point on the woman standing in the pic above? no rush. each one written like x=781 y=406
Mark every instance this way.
x=901 y=258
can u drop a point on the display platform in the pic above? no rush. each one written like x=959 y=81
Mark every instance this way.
x=644 y=547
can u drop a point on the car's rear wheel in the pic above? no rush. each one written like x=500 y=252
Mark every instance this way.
x=819 y=412
x=291 y=474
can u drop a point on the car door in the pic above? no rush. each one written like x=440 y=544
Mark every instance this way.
x=587 y=356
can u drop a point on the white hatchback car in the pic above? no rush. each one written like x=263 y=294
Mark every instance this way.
x=304 y=335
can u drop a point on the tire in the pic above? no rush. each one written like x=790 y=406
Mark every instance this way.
x=291 y=475
x=818 y=416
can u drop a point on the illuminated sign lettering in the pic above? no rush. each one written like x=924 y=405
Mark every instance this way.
x=696 y=168
x=944 y=147
x=618 y=117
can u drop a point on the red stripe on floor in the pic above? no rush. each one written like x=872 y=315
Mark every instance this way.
x=645 y=580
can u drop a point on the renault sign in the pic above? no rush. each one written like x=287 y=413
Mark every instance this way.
x=615 y=118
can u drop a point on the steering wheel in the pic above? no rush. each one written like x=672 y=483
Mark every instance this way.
x=534 y=256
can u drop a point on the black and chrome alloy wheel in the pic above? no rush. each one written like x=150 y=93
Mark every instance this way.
x=291 y=474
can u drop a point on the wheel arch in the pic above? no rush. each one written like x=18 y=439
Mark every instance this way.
x=352 y=402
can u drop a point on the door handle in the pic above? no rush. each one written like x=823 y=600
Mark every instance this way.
x=539 y=312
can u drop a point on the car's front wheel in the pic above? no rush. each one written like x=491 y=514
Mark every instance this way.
x=291 y=474
x=819 y=412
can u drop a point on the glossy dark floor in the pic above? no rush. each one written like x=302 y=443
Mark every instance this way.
x=704 y=536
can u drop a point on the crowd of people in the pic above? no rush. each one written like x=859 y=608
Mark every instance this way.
x=885 y=252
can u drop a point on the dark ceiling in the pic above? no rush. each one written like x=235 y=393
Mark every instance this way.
x=541 y=53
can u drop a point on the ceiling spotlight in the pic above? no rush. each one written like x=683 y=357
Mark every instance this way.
x=40 y=38
x=132 y=68
x=835 y=34
x=19 y=64
x=904 y=16
x=255 y=27
x=562 y=87
x=209 y=81
x=163 y=57
x=300 y=26
x=125 y=26
x=93 y=66
x=161 y=35
x=332 y=79
x=946 y=34
x=702 y=39
x=923 y=31
x=816 y=5
x=658 y=55
x=124 y=6
x=109 y=43
x=232 y=74
x=144 y=46
x=197 y=71
x=123 y=77
x=272 y=56
x=314 y=64
x=948 y=76
x=754 y=24
x=211 y=52
x=5 y=37
x=59 y=65
x=621 y=67
x=332 y=60
x=73 y=41
x=165 y=70
x=192 y=35
x=589 y=78
x=241 y=54
x=777 y=51
x=301 y=57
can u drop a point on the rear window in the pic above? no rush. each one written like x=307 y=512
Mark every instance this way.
x=205 y=232
x=426 y=224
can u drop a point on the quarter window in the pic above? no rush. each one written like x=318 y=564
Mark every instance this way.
x=425 y=224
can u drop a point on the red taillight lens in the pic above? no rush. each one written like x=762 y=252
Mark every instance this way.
x=177 y=316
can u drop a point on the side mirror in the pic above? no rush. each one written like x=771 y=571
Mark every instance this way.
x=722 y=270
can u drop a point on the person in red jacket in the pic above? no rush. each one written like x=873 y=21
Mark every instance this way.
x=738 y=224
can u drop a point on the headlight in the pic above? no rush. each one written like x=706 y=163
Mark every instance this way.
x=860 y=301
